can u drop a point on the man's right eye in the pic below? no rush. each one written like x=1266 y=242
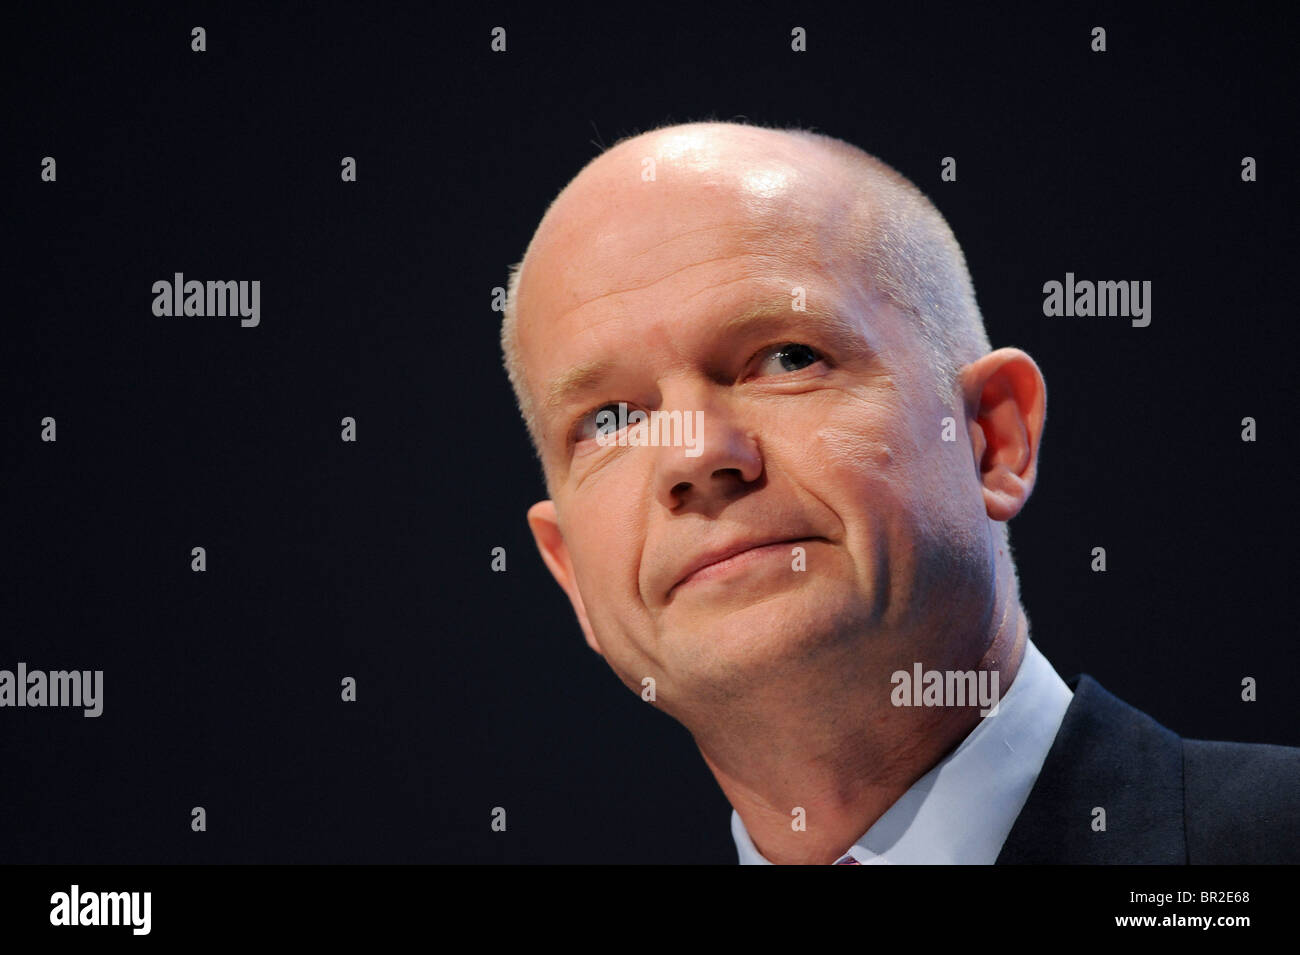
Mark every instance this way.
x=606 y=420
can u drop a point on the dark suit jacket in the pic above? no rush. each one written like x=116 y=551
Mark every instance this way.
x=1168 y=800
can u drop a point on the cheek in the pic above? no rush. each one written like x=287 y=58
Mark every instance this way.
x=851 y=457
x=605 y=547
x=885 y=464
x=886 y=472
x=606 y=540
x=862 y=452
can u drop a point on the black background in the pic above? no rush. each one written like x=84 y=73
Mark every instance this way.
x=372 y=560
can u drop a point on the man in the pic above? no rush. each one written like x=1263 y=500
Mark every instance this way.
x=812 y=584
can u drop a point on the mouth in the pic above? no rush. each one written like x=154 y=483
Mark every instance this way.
x=728 y=559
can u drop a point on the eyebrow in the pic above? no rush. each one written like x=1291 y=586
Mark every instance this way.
x=846 y=336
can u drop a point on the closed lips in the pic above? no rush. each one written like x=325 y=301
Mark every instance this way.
x=718 y=555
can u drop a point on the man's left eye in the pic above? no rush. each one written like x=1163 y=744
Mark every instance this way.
x=787 y=358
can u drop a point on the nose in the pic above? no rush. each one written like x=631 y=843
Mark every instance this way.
x=728 y=464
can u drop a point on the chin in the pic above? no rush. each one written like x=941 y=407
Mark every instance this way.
x=738 y=642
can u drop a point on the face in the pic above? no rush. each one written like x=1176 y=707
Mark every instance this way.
x=820 y=465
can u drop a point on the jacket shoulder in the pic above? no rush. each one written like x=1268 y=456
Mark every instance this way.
x=1111 y=757
x=1167 y=799
x=1242 y=802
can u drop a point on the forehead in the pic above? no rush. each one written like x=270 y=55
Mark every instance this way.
x=646 y=208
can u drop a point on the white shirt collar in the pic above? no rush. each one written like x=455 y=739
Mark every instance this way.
x=962 y=810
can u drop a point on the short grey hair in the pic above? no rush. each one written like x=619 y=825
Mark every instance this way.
x=914 y=258
x=510 y=354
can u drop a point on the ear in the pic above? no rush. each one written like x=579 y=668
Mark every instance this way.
x=545 y=525
x=1006 y=406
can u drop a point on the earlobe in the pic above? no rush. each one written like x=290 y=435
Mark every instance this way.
x=1006 y=400
x=1005 y=493
x=545 y=525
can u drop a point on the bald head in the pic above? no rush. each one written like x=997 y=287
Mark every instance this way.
x=784 y=190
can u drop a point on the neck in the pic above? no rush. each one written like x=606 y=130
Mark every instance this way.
x=842 y=755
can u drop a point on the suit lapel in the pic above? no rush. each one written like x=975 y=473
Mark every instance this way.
x=1111 y=756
